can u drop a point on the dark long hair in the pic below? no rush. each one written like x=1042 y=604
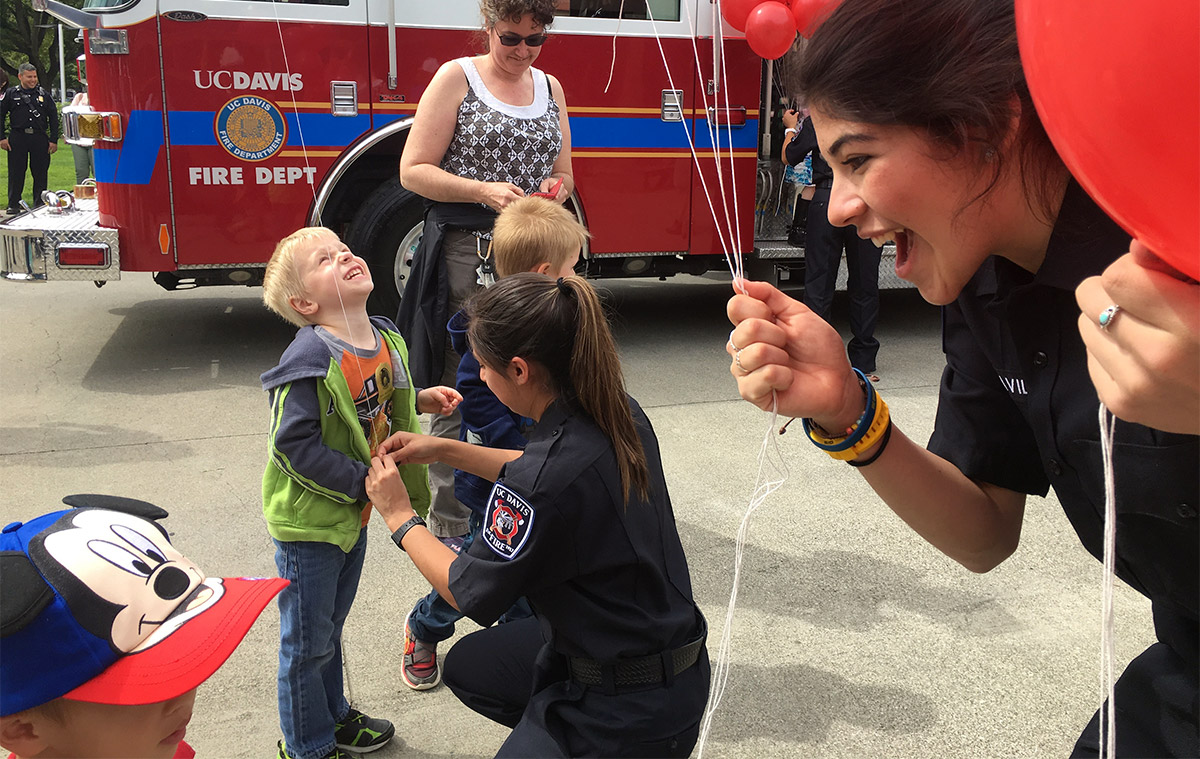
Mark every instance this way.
x=950 y=68
x=561 y=327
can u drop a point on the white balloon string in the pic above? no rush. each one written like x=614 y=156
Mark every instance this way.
x=617 y=33
x=687 y=130
x=766 y=482
x=295 y=108
x=313 y=188
x=312 y=185
x=739 y=268
x=737 y=220
x=714 y=139
x=769 y=454
x=1108 y=726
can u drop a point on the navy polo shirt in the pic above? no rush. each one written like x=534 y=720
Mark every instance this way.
x=608 y=579
x=1017 y=409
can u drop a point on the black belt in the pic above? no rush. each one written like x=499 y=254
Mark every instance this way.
x=644 y=670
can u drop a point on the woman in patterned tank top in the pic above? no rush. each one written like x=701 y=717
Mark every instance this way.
x=489 y=129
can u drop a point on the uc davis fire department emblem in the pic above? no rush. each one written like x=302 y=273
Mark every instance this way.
x=251 y=128
x=508 y=521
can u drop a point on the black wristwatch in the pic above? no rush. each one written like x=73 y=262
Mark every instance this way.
x=398 y=535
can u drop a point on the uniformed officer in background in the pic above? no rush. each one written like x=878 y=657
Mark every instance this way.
x=29 y=132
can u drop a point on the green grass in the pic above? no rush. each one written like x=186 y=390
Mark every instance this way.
x=60 y=177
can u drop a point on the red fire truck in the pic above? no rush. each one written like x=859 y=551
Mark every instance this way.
x=219 y=126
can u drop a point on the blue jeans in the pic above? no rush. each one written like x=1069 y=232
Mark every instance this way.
x=432 y=619
x=312 y=611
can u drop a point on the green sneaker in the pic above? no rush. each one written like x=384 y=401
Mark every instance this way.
x=337 y=753
x=358 y=732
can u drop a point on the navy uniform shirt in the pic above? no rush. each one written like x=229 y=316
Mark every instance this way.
x=22 y=109
x=1017 y=409
x=608 y=580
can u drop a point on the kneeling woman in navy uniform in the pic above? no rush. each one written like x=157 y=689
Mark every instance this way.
x=613 y=663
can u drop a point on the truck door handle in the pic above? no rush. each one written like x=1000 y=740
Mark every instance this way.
x=343 y=98
x=672 y=105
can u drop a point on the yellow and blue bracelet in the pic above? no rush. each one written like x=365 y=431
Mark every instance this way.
x=874 y=425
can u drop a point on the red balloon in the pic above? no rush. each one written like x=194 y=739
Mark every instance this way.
x=809 y=14
x=735 y=12
x=770 y=29
x=1117 y=86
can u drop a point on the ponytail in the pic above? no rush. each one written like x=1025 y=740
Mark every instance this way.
x=561 y=326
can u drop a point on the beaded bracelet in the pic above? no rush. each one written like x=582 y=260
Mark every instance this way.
x=829 y=443
x=871 y=427
x=875 y=432
x=887 y=435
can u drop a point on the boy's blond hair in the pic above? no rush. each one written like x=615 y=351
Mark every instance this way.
x=532 y=231
x=282 y=280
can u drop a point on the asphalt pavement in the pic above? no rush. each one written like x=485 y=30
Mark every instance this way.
x=851 y=637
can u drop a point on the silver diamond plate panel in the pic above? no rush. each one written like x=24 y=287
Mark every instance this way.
x=644 y=254
x=770 y=249
x=31 y=239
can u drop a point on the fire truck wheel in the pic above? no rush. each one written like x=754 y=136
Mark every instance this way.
x=385 y=231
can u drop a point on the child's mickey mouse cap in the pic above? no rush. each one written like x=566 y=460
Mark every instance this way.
x=97 y=605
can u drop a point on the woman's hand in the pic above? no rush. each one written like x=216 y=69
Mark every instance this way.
x=790 y=118
x=439 y=400
x=782 y=350
x=556 y=185
x=1146 y=363
x=410 y=448
x=387 y=492
x=497 y=195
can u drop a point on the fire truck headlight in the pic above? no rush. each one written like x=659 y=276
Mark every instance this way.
x=89 y=126
x=84 y=127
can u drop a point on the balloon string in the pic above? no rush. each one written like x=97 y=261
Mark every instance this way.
x=617 y=33
x=714 y=138
x=295 y=107
x=766 y=483
x=769 y=453
x=1108 y=726
x=737 y=221
x=691 y=145
x=312 y=185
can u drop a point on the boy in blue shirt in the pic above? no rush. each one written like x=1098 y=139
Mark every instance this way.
x=530 y=235
x=340 y=388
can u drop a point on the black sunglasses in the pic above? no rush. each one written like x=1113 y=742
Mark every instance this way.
x=509 y=39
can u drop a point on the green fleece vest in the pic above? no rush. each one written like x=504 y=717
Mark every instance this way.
x=298 y=509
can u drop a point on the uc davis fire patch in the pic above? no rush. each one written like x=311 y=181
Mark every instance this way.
x=508 y=522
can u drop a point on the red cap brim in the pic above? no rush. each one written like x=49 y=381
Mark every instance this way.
x=187 y=657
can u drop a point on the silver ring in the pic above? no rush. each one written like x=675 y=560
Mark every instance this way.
x=1107 y=316
x=731 y=343
x=737 y=361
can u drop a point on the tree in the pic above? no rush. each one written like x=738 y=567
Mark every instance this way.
x=33 y=36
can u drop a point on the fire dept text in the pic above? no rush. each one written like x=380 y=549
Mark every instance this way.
x=230 y=175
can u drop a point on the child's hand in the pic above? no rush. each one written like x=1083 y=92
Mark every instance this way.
x=387 y=492
x=439 y=400
x=410 y=448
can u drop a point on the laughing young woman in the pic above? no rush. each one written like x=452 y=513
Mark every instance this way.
x=922 y=111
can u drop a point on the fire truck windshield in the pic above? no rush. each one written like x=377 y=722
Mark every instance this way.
x=659 y=10
x=96 y=5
